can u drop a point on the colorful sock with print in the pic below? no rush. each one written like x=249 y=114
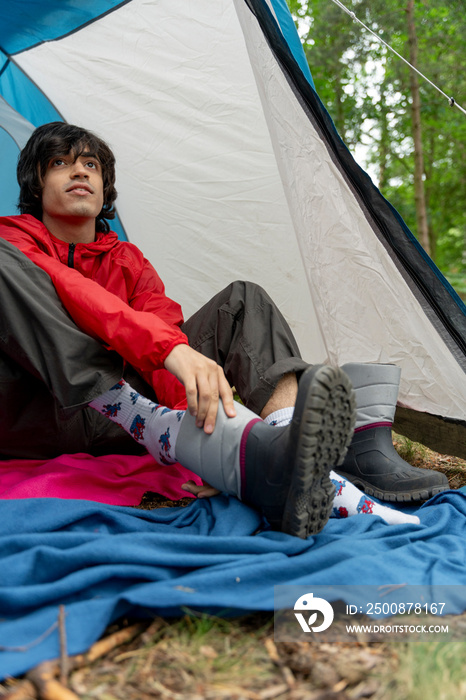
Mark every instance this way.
x=349 y=500
x=151 y=425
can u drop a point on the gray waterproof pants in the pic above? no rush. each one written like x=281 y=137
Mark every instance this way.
x=50 y=369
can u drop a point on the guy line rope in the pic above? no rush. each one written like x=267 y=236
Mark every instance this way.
x=451 y=100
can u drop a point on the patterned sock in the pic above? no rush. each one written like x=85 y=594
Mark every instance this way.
x=281 y=417
x=151 y=425
x=349 y=500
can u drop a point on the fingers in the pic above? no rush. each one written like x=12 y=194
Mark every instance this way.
x=226 y=394
x=205 y=384
x=217 y=388
x=190 y=386
x=208 y=396
x=204 y=491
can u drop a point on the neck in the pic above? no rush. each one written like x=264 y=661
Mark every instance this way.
x=71 y=230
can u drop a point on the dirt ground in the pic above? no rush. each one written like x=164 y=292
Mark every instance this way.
x=238 y=660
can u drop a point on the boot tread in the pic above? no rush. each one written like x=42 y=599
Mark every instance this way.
x=323 y=426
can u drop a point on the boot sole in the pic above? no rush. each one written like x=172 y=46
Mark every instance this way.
x=414 y=496
x=321 y=432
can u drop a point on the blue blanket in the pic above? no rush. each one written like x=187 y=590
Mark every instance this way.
x=102 y=562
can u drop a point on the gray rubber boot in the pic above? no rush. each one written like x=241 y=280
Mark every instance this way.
x=283 y=472
x=216 y=457
x=372 y=463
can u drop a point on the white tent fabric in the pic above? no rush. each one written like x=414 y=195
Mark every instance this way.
x=222 y=175
x=366 y=310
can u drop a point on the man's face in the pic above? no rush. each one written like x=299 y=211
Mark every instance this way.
x=72 y=188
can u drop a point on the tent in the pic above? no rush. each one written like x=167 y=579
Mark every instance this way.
x=229 y=167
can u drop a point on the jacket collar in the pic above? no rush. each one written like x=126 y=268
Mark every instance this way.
x=35 y=228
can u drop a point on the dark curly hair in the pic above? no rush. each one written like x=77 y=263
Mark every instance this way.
x=55 y=139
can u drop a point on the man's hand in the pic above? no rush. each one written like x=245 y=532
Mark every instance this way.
x=205 y=383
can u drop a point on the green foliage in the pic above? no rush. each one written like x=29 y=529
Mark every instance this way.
x=410 y=451
x=366 y=89
x=450 y=251
x=429 y=670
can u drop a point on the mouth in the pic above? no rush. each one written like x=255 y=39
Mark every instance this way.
x=80 y=188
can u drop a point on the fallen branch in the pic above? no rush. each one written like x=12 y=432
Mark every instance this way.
x=23 y=690
x=103 y=646
x=40 y=682
x=47 y=687
x=34 y=643
x=63 y=652
x=287 y=673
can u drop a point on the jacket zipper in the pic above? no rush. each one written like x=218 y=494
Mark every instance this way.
x=71 y=254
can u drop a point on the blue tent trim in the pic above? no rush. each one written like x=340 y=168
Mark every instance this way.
x=291 y=36
x=435 y=294
x=14 y=124
x=24 y=96
x=48 y=21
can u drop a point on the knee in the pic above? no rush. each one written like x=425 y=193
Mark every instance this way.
x=11 y=252
x=13 y=261
x=248 y=291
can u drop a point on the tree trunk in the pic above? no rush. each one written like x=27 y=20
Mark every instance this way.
x=384 y=143
x=340 y=113
x=428 y=161
x=419 y=194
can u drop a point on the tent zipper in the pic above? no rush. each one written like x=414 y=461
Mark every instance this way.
x=71 y=254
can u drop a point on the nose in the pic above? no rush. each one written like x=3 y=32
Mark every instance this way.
x=79 y=170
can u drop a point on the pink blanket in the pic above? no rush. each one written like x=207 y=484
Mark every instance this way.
x=114 y=479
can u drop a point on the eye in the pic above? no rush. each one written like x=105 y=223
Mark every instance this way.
x=57 y=161
x=92 y=164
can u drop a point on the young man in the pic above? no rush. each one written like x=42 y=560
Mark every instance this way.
x=95 y=358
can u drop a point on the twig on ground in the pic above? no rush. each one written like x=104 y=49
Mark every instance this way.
x=34 y=643
x=48 y=688
x=287 y=673
x=24 y=690
x=40 y=682
x=103 y=646
x=274 y=692
x=63 y=651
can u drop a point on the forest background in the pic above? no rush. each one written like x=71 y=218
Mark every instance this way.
x=399 y=128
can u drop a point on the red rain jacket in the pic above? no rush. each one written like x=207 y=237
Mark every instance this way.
x=112 y=293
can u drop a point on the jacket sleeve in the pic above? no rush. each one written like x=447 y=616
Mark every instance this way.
x=148 y=294
x=141 y=337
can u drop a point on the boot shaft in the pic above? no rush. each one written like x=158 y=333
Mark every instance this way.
x=216 y=458
x=376 y=389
